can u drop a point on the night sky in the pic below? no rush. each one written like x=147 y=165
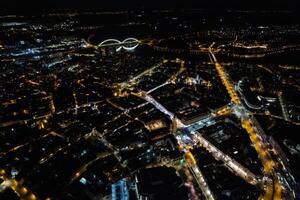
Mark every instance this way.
x=27 y=5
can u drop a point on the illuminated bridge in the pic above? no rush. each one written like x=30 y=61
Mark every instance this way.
x=127 y=44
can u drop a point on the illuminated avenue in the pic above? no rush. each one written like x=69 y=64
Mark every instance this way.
x=169 y=109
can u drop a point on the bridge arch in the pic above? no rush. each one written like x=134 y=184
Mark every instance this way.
x=129 y=40
x=120 y=44
x=132 y=39
x=108 y=41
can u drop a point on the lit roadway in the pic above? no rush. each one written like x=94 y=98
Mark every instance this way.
x=16 y=186
x=273 y=183
x=278 y=186
x=128 y=85
x=135 y=80
x=195 y=138
x=200 y=180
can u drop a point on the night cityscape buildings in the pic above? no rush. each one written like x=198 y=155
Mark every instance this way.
x=141 y=102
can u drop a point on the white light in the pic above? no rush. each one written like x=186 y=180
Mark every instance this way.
x=83 y=181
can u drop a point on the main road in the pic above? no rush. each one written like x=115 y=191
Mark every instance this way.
x=275 y=189
x=195 y=138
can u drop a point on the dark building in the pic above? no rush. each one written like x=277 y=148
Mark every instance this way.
x=159 y=183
